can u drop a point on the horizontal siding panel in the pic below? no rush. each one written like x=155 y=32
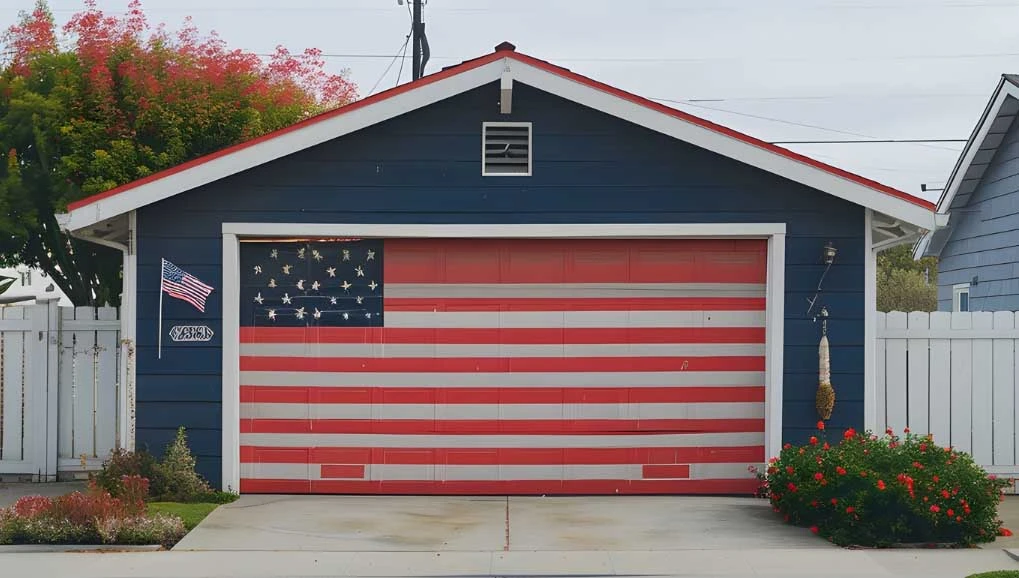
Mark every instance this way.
x=170 y=415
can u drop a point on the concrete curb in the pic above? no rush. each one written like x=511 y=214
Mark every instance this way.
x=50 y=548
x=1013 y=553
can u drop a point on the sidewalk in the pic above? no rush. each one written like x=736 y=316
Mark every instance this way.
x=836 y=563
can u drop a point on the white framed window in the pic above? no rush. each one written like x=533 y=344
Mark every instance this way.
x=960 y=297
x=506 y=149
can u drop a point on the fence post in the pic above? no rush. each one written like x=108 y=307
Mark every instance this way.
x=52 y=386
x=42 y=417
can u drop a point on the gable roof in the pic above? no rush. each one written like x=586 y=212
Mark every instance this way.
x=974 y=160
x=505 y=65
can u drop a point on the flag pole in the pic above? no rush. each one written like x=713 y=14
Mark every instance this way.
x=159 y=353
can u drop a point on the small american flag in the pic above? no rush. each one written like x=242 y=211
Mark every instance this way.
x=180 y=284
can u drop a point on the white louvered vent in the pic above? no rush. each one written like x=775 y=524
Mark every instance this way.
x=506 y=149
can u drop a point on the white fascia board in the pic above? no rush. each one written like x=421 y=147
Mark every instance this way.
x=285 y=144
x=512 y=231
x=724 y=145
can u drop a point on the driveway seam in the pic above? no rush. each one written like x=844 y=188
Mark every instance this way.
x=506 y=546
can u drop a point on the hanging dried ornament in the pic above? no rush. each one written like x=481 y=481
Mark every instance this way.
x=825 y=398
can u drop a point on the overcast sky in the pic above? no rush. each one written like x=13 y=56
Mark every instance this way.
x=849 y=69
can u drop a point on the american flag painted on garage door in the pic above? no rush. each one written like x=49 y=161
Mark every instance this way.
x=460 y=366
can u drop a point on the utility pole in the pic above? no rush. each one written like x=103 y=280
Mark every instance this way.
x=418 y=29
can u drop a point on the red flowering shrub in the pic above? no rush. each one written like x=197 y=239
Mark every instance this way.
x=900 y=490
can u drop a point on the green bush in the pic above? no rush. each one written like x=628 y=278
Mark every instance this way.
x=181 y=483
x=123 y=463
x=878 y=491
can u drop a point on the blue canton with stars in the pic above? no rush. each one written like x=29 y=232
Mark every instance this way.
x=321 y=284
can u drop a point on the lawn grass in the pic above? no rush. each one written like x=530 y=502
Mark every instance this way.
x=996 y=574
x=191 y=514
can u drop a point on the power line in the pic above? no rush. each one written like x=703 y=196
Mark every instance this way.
x=680 y=60
x=402 y=48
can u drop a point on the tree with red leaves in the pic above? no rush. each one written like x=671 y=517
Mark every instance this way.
x=110 y=99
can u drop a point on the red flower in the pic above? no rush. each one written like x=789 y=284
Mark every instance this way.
x=849 y=433
x=834 y=501
x=820 y=425
x=813 y=503
x=950 y=512
x=923 y=447
x=789 y=470
x=905 y=430
x=935 y=508
x=841 y=471
x=787 y=446
x=819 y=476
x=1004 y=532
x=813 y=441
x=918 y=465
x=772 y=470
x=773 y=461
x=850 y=510
x=881 y=485
x=826 y=447
x=863 y=473
x=803 y=451
x=814 y=529
x=889 y=431
x=935 y=478
x=945 y=494
x=958 y=519
x=966 y=509
x=792 y=487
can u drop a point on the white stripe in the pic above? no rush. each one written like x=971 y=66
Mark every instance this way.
x=443 y=472
x=506 y=379
x=572 y=290
x=390 y=350
x=502 y=441
x=503 y=411
x=571 y=319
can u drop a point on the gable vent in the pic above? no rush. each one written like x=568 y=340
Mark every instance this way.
x=506 y=149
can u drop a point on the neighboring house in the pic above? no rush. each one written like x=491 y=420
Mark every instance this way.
x=978 y=251
x=501 y=278
x=34 y=283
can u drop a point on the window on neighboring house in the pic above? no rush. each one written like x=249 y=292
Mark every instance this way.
x=960 y=297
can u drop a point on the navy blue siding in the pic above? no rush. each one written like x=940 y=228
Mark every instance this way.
x=985 y=237
x=424 y=167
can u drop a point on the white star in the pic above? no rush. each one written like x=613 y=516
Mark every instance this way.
x=346 y=315
x=346 y=285
x=331 y=271
x=346 y=254
x=274 y=254
x=317 y=314
x=316 y=255
x=300 y=312
x=371 y=256
x=286 y=269
x=373 y=285
x=258 y=298
x=360 y=271
x=272 y=282
x=286 y=298
x=258 y=269
x=332 y=301
x=360 y=299
x=368 y=315
x=272 y=314
x=315 y=285
x=300 y=284
x=300 y=253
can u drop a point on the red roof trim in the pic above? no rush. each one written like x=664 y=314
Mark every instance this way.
x=548 y=67
x=543 y=65
x=426 y=80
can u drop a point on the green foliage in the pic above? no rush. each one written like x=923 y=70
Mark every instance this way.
x=904 y=284
x=191 y=514
x=181 y=483
x=996 y=574
x=119 y=100
x=123 y=463
x=879 y=491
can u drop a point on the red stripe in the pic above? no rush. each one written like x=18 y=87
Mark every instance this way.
x=575 y=304
x=504 y=426
x=575 y=261
x=342 y=471
x=526 y=487
x=500 y=364
x=666 y=471
x=507 y=336
x=503 y=456
x=515 y=395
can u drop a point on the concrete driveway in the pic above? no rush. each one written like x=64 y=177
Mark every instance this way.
x=436 y=524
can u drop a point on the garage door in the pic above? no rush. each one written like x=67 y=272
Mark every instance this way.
x=460 y=366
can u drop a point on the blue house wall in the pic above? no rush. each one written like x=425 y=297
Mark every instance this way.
x=424 y=167
x=985 y=237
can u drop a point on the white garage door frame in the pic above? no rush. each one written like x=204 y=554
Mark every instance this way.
x=774 y=233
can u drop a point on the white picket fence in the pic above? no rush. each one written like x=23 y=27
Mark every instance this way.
x=58 y=389
x=952 y=375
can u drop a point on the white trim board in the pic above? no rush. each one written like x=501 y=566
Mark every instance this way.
x=543 y=76
x=233 y=233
